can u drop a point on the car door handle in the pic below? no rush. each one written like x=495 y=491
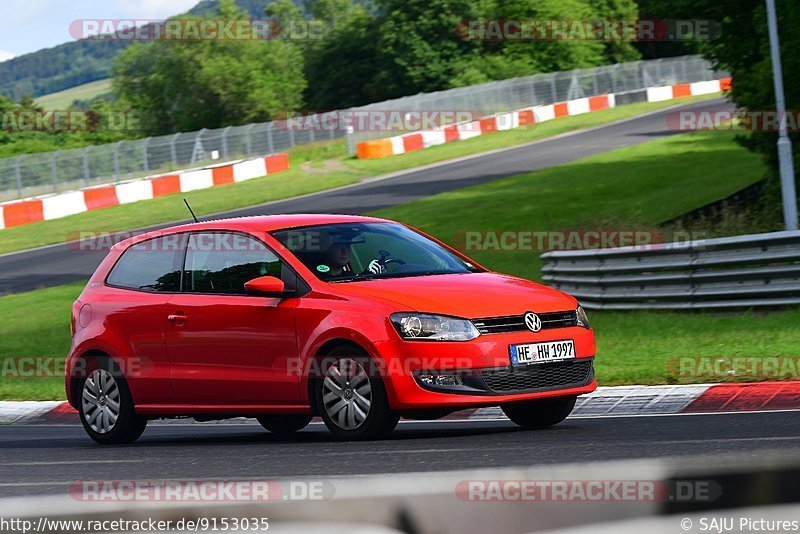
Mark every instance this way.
x=177 y=318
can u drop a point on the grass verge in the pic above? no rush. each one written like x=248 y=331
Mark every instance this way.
x=314 y=168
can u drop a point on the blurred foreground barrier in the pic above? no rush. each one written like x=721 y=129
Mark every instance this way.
x=733 y=272
x=507 y=500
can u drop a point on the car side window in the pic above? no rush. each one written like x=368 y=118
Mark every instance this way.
x=218 y=262
x=152 y=265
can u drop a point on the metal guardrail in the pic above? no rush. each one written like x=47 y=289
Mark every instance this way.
x=732 y=272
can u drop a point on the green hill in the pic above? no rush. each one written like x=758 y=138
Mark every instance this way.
x=76 y=63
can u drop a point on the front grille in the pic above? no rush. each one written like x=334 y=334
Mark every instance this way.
x=516 y=323
x=539 y=376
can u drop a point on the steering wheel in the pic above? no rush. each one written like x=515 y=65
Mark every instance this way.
x=385 y=258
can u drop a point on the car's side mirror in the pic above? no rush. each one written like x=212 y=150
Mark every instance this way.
x=266 y=286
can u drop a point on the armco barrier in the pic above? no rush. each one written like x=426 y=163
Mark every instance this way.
x=410 y=142
x=63 y=204
x=733 y=272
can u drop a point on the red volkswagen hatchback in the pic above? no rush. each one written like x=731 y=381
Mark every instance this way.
x=355 y=319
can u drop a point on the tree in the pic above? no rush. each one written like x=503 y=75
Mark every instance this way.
x=418 y=47
x=741 y=46
x=339 y=68
x=189 y=85
x=404 y=47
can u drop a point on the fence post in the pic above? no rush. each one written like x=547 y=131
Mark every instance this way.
x=145 y=163
x=225 y=141
x=248 y=139
x=532 y=99
x=659 y=77
x=54 y=169
x=173 y=151
x=86 y=173
x=553 y=88
x=350 y=141
x=117 y=172
x=271 y=141
x=614 y=77
x=18 y=172
x=198 y=150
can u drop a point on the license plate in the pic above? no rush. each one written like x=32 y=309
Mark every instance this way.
x=548 y=351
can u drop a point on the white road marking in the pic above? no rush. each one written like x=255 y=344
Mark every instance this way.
x=72 y=462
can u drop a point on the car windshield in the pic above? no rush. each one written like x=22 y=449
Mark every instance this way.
x=363 y=251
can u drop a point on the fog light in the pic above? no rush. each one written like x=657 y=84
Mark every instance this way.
x=440 y=380
x=448 y=380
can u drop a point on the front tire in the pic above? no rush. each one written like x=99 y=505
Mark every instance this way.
x=351 y=397
x=284 y=425
x=539 y=414
x=106 y=405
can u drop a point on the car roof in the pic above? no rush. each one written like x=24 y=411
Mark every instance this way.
x=255 y=224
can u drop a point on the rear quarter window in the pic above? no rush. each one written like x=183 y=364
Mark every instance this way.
x=152 y=265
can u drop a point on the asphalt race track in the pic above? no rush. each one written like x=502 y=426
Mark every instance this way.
x=39 y=460
x=63 y=263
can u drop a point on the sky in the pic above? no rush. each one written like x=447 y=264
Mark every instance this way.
x=30 y=25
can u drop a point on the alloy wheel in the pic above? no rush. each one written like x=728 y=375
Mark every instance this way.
x=101 y=401
x=347 y=394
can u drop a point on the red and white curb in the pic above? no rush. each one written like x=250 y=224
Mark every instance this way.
x=605 y=402
x=401 y=144
x=55 y=206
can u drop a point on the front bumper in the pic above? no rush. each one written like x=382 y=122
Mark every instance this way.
x=535 y=378
x=486 y=375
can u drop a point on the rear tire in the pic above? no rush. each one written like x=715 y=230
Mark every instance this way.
x=351 y=397
x=539 y=414
x=284 y=425
x=106 y=406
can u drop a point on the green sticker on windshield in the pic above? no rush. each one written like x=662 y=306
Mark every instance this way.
x=323 y=268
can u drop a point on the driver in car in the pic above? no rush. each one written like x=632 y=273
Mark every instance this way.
x=338 y=258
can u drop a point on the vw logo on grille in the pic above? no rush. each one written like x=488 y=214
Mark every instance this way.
x=533 y=322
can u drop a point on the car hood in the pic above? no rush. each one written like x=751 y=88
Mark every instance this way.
x=468 y=295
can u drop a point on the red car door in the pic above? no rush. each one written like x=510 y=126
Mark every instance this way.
x=131 y=311
x=226 y=347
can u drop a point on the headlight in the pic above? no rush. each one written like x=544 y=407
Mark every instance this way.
x=433 y=327
x=583 y=319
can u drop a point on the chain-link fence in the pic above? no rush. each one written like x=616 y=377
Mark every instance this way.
x=34 y=174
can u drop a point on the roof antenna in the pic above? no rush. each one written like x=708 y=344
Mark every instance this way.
x=190 y=210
